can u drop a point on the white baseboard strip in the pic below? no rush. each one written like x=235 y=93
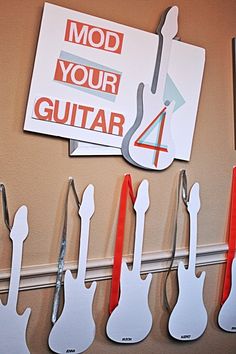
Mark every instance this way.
x=42 y=276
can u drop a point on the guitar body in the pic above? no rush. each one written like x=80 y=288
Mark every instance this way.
x=75 y=328
x=74 y=331
x=151 y=145
x=131 y=320
x=13 y=330
x=227 y=314
x=188 y=319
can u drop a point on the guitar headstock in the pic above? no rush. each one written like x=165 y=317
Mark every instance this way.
x=170 y=26
x=87 y=205
x=194 y=202
x=142 y=200
x=20 y=228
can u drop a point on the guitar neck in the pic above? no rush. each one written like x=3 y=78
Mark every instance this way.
x=15 y=274
x=83 y=249
x=139 y=230
x=193 y=242
x=166 y=34
x=161 y=66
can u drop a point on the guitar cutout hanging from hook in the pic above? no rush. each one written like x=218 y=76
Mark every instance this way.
x=131 y=321
x=148 y=143
x=74 y=331
x=12 y=325
x=188 y=319
x=227 y=313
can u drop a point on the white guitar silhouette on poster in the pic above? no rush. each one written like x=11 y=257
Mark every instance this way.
x=74 y=331
x=227 y=314
x=188 y=319
x=12 y=325
x=131 y=320
x=149 y=143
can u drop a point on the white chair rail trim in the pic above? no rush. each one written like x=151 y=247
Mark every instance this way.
x=42 y=276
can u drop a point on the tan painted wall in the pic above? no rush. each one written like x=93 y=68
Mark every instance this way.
x=35 y=168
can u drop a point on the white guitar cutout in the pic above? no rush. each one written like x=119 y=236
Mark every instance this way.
x=227 y=314
x=149 y=143
x=12 y=325
x=131 y=320
x=188 y=319
x=74 y=331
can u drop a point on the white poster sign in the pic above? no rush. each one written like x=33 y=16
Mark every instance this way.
x=86 y=74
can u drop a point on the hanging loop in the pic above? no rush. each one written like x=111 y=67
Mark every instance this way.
x=5 y=207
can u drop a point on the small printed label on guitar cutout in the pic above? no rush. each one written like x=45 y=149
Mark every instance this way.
x=186 y=336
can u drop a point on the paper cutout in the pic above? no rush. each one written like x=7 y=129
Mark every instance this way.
x=227 y=314
x=131 y=321
x=13 y=326
x=88 y=68
x=62 y=252
x=188 y=320
x=154 y=155
x=74 y=331
x=80 y=148
x=126 y=190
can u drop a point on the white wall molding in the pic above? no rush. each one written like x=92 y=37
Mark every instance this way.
x=41 y=276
